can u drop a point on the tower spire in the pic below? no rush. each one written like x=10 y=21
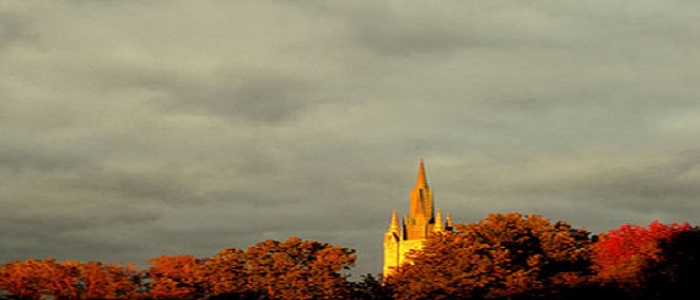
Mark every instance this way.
x=417 y=226
x=422 y=209
x=421 y=181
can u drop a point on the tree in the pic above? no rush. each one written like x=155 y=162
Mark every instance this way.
x=676 y=274
x=502 y=256
x=298 y=269
x=654 y=262
x=24 y=279
x=292 y=269
x=621 y=255
x=226 y=276
x=369 y=288
x=176 y=277
x=100 y=281
x=34 y=279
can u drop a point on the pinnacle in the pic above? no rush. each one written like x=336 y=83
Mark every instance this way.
x=438 y=222
x=421 y=181
x=394 y=226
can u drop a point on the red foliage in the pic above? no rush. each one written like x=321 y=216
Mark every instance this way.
x=621 y=254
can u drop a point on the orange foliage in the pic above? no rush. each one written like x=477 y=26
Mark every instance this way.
x=108 y=281
x=297 y=269
x=225 y=273
x=505 y=256
x=500 y=256
x=292 y=269
x=26 y=279
x=32 y=279
x=176 y=277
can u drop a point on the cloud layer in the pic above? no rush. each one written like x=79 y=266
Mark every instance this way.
x=133 y=129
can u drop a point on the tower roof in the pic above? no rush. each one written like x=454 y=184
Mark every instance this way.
x=421 y=181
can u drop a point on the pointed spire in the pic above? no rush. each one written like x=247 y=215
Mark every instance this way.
x=448 y=224
x=394 y=226
x=438 y=222
x=421 y=181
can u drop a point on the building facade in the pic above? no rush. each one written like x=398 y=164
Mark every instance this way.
x=422 y=221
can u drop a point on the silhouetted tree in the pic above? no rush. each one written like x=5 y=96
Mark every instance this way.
x=370 y=288
x=676 y=274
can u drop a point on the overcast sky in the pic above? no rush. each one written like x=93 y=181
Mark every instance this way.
x=132 y=129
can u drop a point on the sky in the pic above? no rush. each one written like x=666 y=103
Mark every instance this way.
x=134 y=129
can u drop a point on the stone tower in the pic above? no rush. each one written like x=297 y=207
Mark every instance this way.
x=417 y=226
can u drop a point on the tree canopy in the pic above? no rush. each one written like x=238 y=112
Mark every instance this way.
x=32 y=279
x=504 y=256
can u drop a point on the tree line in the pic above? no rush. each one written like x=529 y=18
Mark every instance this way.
x=505 y=256
x=512 y=256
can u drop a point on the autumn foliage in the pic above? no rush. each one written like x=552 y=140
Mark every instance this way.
x=504 y=256
x=501 y=256
x=655 y=262
x=32 y=279
x=292 y=269
x=621 y=254
x=176 y=277
x=511 y=256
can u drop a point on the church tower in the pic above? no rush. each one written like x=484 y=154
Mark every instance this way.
x=417 y=226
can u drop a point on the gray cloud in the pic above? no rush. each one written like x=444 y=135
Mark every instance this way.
x=255 y=99
x=19 y=159
x=13 y=28
x=135 y=129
